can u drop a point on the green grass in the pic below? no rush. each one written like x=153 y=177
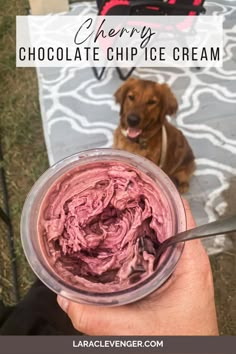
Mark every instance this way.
x=23 y=144
x=26 y=159
x=13 y=7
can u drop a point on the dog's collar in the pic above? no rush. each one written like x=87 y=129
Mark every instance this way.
x=144 y=142
x=163 y=147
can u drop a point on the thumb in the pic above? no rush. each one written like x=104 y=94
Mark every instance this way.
x=94 y=320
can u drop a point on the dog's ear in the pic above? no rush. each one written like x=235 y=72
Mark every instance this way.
x=122 y=91
x=170 y=104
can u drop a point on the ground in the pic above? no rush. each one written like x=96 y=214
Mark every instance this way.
x=23 y=144
x=26 y=159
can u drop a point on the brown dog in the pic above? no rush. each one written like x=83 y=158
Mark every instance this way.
x=144 y=129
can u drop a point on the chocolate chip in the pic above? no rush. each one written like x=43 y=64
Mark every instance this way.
x=149 y=246
x=134 y=278
x=142 y=202
x=138 y=268
x=140 y=245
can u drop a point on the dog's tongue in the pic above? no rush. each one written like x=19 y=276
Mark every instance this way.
x=133 y=132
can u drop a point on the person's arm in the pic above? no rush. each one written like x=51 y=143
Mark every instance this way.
x=185 y=305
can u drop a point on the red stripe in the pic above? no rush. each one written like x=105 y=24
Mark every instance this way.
x=195 y=3
x=112 y=3
x=152 y=8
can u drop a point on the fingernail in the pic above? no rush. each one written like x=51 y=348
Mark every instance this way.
x=63 y=303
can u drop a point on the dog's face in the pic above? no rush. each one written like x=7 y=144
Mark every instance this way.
x=144 y=106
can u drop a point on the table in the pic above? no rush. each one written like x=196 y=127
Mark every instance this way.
x=42 y=7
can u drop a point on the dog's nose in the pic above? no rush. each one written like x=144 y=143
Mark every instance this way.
x=133 y=120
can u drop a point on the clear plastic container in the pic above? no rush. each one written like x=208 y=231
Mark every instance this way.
x=45 y=271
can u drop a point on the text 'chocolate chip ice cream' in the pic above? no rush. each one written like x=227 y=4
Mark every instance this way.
x=100 y=226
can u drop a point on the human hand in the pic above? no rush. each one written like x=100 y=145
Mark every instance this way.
x=184 y=305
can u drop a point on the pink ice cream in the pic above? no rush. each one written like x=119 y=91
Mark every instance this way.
x=100 y=226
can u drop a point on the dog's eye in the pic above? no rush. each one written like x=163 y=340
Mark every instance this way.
x=151 y=102
x=131 y=97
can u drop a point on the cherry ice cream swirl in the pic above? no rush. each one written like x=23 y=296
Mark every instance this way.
x=100 y=226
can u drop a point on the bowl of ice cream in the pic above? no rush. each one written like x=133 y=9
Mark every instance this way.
x=92 y=223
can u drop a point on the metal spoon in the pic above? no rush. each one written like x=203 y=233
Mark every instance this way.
x=222 y=226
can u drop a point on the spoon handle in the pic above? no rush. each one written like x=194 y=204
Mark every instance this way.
x=221 y=226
